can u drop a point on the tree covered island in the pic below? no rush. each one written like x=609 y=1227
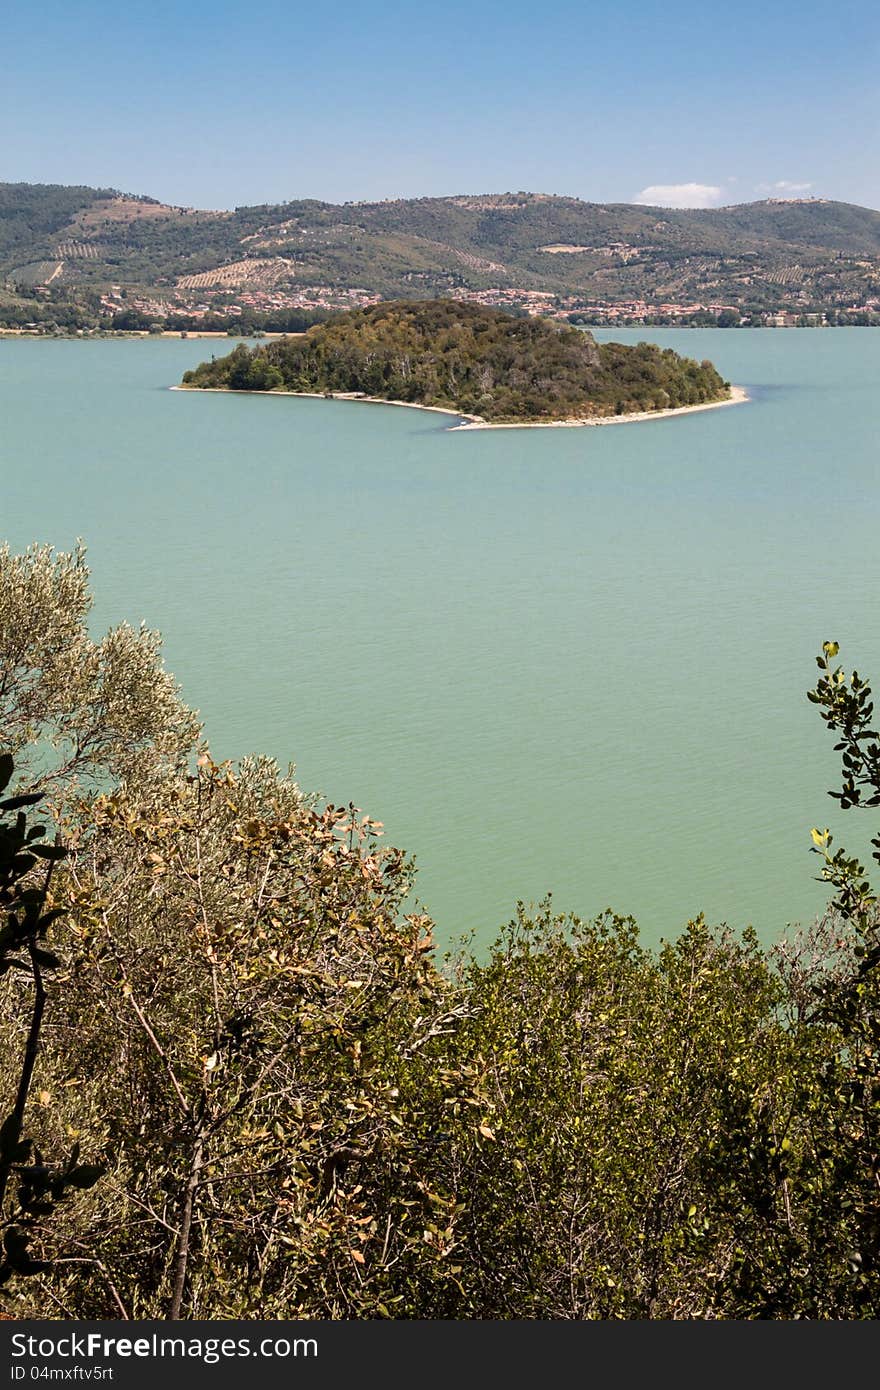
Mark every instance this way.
x=467 y=358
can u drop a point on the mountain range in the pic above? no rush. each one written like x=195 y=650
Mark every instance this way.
x=118 y=253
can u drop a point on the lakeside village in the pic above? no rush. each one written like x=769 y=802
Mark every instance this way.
x=639 y=311
x=571 y=308
x=219 y=307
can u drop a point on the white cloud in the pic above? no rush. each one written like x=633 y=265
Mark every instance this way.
x=680 y=195
x=786 y=187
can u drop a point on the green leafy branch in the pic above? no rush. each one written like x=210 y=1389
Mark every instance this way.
x=848 y=710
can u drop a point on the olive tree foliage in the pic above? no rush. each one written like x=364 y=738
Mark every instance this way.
x=74 y=709
x=250 y=1032
x=245 y=1024
x=654 y=1133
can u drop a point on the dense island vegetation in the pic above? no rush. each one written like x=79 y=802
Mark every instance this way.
x=237 y=1082
x=464 y=357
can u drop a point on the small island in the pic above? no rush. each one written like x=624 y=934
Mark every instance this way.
x=484 y=365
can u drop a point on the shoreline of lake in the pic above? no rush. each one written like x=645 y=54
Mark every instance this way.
x=109 y=334
x=738 y=396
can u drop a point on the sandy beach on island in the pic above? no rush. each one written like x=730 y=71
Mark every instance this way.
x=738 y=395
x=338 y=396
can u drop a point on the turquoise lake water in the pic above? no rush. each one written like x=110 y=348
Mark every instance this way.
x=567 y=660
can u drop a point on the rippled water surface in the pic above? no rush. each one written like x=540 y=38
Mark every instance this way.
x=567 y=660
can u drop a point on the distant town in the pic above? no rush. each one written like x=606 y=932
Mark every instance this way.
x=570 y=308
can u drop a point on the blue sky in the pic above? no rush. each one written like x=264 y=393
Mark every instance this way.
x=218 y=104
